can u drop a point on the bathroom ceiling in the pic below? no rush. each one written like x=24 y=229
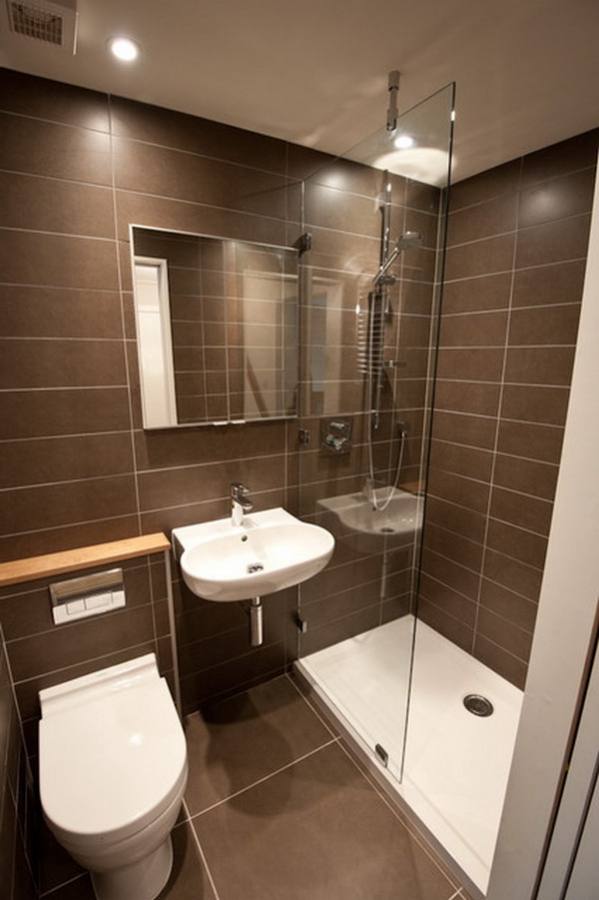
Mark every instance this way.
x=315 y=72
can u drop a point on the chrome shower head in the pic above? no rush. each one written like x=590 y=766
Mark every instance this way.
x=405 y=241
x=409 y=239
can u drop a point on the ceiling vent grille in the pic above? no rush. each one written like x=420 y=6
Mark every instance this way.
x=40 y=20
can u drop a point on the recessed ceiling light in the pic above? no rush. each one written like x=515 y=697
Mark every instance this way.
x=404 y=142
x=124 y=48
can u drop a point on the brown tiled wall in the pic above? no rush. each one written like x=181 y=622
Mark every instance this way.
x=517 y=244
x=18 y=859
x=76 y=468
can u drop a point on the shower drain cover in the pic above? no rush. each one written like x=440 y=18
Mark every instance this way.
x=478 y=705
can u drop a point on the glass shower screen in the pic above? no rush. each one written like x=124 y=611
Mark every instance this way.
x=370 y=298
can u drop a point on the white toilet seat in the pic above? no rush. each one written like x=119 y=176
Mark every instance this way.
x=112 y=754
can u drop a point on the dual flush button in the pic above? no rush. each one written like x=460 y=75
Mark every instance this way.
x=90 y=595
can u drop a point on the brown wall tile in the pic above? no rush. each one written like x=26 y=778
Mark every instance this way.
x=526 y=475
x=553 y=242
x=60 y=459
x=57 y=260
x=56 y=363
x=207 y=138
x=569 y=195
x=76 y=501
x=168 y=173
x=470 y=397
x=54 y=100
x=575 y=153
x=535 y=404
x=40 y=413
x=479 y=329
x=543 y=202
x=45 y=148
x=46 y=204
x=540 y=365
x=490 y=217
x=545 y=325
x=493 y=254
x=560 y=282
x=59 y=312
x=473 y=294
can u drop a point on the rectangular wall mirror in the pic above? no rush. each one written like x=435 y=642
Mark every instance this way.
x=217 y=328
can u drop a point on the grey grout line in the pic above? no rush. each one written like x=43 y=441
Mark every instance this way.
x=308 y=703
x=475 y=415
x=504 y=309
x=63 y=437
x=59 y=287
x=510 y=346
x=61 y=234
x=408 y=825
x=470 y=600
x=484 y=636
x=245 y=685
x=65 y=387
x=505 y=382
x=50 y=338
x=545 y=265
x=22 y=173
x=63 y=884
x=519 y=189
x=487 y=515
x=457 y=894
x=92 y=659
x=115 y=223
x=69 y=525
x=197 y=203
x=201 y=851
x=68 y=625
x=507 y=651
x=254 y=784
x=10 y=112
x=479 y=544
x=473 y=572
x=467 y=478
x=543 y=462
x=518 y=229
x=45 y=484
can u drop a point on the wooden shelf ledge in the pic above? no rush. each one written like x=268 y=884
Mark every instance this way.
x=34 y=567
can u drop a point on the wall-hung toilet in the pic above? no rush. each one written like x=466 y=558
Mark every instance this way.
x=113 y=769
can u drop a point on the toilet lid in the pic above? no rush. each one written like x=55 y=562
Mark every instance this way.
x=111 y=766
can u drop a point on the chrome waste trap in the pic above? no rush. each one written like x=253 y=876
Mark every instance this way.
x=478 y=705
x=254 y=567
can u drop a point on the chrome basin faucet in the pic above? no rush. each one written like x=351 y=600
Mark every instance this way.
x=240 y=503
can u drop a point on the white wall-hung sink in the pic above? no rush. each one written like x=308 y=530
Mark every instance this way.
x=270 y=551
x=351 y=516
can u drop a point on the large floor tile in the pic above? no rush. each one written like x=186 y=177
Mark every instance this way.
x=315 y=831
x=235 y=742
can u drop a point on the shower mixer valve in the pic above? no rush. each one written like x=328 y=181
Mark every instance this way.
x=335 y=435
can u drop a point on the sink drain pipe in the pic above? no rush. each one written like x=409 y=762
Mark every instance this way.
x=256 y=628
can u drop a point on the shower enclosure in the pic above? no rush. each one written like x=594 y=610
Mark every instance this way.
x=374 y=224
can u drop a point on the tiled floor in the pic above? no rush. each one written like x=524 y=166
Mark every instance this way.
x=277 y=810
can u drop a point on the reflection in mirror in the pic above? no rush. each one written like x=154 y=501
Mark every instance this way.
x=217 y=328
